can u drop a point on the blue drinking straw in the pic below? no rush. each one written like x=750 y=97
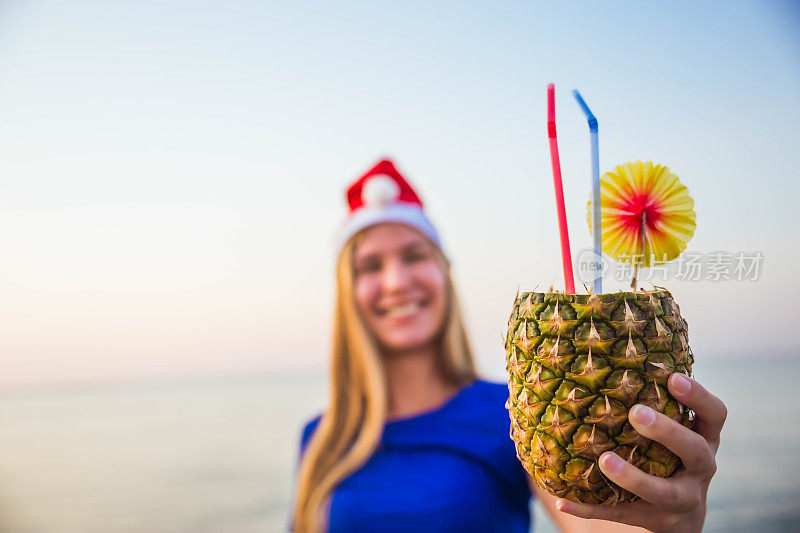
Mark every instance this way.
x=596 y=225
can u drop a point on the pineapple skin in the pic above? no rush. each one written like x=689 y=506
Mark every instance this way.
x=576 y=365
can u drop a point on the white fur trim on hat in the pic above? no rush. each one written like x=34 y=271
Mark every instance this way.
x=402 y=213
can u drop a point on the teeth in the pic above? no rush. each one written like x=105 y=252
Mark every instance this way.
x=403 y=310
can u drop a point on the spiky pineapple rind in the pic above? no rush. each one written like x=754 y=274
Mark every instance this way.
x=577 y=364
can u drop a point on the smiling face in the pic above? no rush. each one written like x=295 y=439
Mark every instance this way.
x=400 y=287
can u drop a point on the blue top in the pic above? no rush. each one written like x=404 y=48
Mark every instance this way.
x=451 y=469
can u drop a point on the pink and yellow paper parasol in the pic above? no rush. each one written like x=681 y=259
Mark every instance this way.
x=647 y=214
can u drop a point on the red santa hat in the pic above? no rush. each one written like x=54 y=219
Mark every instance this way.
x=382 y=195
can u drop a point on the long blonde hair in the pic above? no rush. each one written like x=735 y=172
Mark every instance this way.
x=351 y=428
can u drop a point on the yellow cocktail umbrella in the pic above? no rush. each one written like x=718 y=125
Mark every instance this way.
x=647 y=214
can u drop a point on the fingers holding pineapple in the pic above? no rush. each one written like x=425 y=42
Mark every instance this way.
x=710 y=411
x=651 y=488
x=683 y=491
x=676 y=503
x=639 y=514
x=694 y=450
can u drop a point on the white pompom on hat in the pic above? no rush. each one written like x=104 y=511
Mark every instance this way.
x=382 y=195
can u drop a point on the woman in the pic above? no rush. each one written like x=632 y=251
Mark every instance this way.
x=413 y=441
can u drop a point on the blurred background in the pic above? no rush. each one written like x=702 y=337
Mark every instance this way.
x=172 y=175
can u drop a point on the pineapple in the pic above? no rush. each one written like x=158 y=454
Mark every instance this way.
x=576 y=365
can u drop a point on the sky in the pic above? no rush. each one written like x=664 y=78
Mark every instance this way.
x=172 y=174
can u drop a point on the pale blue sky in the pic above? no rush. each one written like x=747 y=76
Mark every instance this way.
x=173 y=172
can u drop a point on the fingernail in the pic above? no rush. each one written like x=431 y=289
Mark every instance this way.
x=612 y=463
x=562 y=505
x=681 y=383
x=643 y=414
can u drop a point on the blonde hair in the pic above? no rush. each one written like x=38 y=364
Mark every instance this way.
x=351 y=428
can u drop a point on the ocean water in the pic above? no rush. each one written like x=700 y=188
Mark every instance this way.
x=220 y=456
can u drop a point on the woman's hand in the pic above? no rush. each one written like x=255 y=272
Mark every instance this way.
x=677 y=503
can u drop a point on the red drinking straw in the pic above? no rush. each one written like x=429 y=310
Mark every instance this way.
x=566 y=256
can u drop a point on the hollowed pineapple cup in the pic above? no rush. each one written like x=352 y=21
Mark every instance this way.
x=576 y=365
